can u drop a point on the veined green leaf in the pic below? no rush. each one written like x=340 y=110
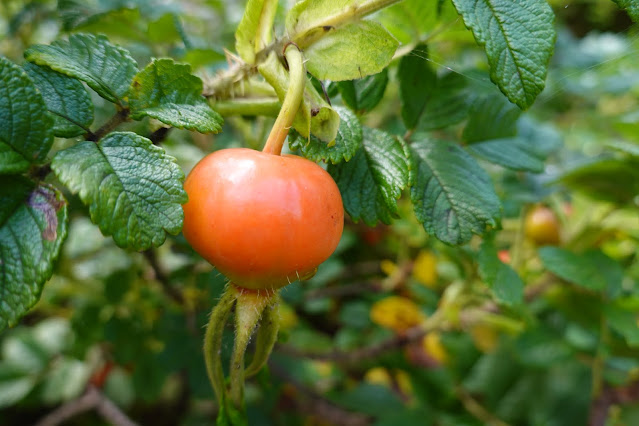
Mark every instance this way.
x=452 y=196
x=513 y=153
x=169 y=92
x=353 y=51
x=364 y=94
x=417 y=82
x=491 y=117
x=33 y=225
x=133 y=189
x=374 y=178
x=347 y=141
x=519 y=39
x=66 y=99
x=631 y=7
x=25 y=125
x=106 y=68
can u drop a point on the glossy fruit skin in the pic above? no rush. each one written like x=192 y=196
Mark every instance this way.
x=541 y=226
x=263 y=220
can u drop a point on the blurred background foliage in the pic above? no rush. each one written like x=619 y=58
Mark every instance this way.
x=131 y=324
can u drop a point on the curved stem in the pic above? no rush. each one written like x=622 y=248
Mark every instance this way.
x=213 y=342
x=292 y=100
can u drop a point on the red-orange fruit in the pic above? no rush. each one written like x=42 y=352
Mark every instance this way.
x=263 y=220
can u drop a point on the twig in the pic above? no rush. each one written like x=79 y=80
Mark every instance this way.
x=313 y=402
x=162 y=277
x=611 y=396
x=159 y=135
x=435 y=322
x=120 y=117
x=477 y=410
x=92 y=399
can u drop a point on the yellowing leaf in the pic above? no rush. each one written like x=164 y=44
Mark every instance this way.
x=425 y=269
x=485 y=337
x=378 y=376
x=432 y=345
x=397 y=313
x=388 y=267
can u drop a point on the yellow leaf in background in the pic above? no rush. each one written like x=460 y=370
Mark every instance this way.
x=485 y=337
x=397 y=313
x=432 y=345
x=388 y=267
x=425 y=269
x=378 y=376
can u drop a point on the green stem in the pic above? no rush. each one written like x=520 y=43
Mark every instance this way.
x=292 y=100
x=213 y=342
x=266 y=337
x=248 y=106
x=265 y=25
x=248 y=311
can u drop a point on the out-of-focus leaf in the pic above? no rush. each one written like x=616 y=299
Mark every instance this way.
x=514 y=153
x=601 y=179
x=592 y=270
x=448 y=104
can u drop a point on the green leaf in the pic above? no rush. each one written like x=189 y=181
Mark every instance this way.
x=373 y=180
x=519 y=38
x=33 y=224
x=448 y=104
x=66 y=99
x=347 y=141
x=452 y=196
x=133 y=189
x=631 y=7
x=592 y=270
x=417 y=82
x=623 y=321
x=508 y=287
x=353 y=51
x=505 y=283
x=25 y=129
x=491 y=117
x=169 y=92
x=257 y=14
x=364 y=94
x=600 y=179
x=513 y=153
x=106 y=68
